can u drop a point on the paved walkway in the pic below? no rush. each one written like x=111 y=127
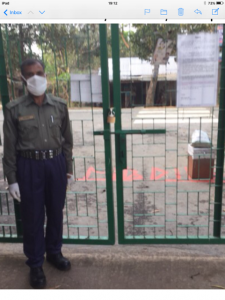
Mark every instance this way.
x=122 y=267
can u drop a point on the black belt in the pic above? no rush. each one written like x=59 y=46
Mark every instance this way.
x=40 y=154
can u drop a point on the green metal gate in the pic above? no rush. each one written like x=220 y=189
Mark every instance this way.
x=88 y=212
x=157 y=200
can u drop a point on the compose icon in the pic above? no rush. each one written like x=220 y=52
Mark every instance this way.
x=163 y=12
x=215 y=11
x=180 y=11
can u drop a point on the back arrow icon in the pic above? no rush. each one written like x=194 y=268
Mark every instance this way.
x=5 y=12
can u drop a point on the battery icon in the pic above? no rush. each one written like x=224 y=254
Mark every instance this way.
x=220 y=3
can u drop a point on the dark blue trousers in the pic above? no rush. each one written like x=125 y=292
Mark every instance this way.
x=42 y=186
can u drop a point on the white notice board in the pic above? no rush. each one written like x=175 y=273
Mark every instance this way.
x=197 y=73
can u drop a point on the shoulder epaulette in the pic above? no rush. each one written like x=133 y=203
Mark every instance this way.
x=57 y=99
x=16 y=102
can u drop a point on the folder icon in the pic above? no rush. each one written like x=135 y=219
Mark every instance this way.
x=163 y=12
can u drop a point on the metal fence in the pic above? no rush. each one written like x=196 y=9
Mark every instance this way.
x=158 y=201
x=164 y=196
x=88 y=212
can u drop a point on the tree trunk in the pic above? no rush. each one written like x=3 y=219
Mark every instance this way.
x=152 y=87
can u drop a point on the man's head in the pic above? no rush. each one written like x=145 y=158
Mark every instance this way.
x=33 y=76
x=31 y=67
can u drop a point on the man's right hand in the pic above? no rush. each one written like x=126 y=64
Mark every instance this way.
x=14 y=191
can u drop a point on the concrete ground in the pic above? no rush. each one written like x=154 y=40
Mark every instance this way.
x=122 y=267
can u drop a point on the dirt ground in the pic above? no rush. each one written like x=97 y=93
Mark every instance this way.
x=160 y=199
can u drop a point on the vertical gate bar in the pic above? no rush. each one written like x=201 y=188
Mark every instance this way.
x=93 y=126
x=132 y=141
x=177 y=171
x=20 y=60
x=30 y=50
x=210 y=182
x=68 y=81
x=74 y=167
x=220 y=149
x=198 y=204
x=5 y=100
x=67 y=219
x=9 y=60
x=189 y=128
x=42 y=55
x=20 y=55
x=56 y=73
x=165 y=189
x=3 y=75
x=77 y=54
x=117 y=105
x=1 y=204
x=108 y=154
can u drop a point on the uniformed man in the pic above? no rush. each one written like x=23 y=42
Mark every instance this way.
x=38 y=166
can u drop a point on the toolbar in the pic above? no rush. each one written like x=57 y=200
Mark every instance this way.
x=104 y=9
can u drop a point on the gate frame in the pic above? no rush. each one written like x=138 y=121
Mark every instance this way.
x=107 y=147
x=119 y=168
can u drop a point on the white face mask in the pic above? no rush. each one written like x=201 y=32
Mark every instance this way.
x=36 y=85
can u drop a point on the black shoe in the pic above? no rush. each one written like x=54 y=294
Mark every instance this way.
x=37 y=278
x=59 y=261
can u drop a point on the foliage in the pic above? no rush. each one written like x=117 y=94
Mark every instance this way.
x=145 y=37
x=144 y=43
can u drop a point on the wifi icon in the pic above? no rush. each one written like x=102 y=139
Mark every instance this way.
x=180 y=12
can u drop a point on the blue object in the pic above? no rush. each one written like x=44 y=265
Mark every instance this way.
x=215 y=11
x=147 y=11
x=197 y=11
x=180 y=11
x=41 y=12
x=42 y=185
x=163 y=12
x=5 y=12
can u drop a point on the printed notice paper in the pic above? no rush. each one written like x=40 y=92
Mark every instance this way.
x=197 y=72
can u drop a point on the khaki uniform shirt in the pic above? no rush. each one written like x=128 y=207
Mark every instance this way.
x=28 y=126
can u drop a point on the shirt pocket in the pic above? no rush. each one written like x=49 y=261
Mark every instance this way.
x=55 y=127
x=28 y=130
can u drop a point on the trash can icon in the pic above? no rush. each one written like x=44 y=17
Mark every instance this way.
x=180 y=11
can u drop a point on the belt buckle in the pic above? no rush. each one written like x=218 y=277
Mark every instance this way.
x=50 y=153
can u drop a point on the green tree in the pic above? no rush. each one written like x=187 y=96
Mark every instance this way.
x=64 y=48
